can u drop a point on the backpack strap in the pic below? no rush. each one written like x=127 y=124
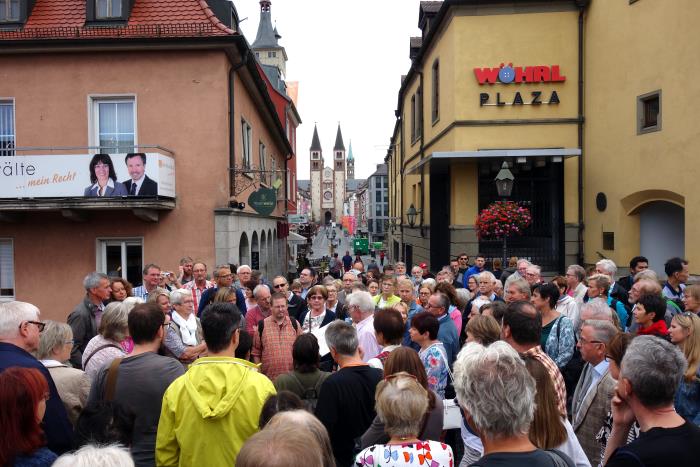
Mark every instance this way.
x=261 y=326
x=559 y=459
x=97 y=350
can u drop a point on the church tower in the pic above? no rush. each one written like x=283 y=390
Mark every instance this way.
x=339 y=175
x=351 y=163
x=266 y=45
x=316 y=155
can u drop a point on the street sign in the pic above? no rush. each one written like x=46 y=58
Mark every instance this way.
x=298 y=219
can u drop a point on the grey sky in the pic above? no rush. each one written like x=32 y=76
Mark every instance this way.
x=348 y=56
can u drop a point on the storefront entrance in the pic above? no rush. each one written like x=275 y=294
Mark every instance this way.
x=539 y=186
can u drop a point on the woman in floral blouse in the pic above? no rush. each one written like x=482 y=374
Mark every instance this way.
x=424 y=330
x=401 y=404
x=557 y=330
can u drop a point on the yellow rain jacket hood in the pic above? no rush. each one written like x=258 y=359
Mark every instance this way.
x=210 y=411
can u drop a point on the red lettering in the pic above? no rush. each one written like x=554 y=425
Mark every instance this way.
x=556 y=77
x=523 y=75
x=541 y=73
x=486 y=75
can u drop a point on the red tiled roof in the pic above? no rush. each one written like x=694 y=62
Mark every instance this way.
x=65 y=19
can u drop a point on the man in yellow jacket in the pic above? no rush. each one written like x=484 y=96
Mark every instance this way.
x=210 y=411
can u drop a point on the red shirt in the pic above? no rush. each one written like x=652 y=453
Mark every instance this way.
x=274 y=348
x=658 y=329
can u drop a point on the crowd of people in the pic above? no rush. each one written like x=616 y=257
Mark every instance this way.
x=387 y=366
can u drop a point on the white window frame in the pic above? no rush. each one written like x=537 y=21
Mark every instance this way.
x=94 y=101
x=246 y=140
x=110 y=10
x=8 y=10
x=11 y=102
x=101 y=251
x=10 y=241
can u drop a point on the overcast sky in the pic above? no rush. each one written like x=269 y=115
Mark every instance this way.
x=348 y=56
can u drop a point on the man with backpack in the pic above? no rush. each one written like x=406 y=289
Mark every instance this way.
x=306 y=379
x=274 y=339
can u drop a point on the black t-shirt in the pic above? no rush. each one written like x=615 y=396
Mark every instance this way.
x=346 y=408
x=537 y=458
x=677 y=447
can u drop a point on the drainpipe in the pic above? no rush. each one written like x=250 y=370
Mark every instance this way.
x=232 y=122
x=403 y=186
x=580 y=133
x=422 y=170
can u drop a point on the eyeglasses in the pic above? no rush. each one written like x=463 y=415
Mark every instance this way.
x=317 y=297
x=165 y=325
x=279 y=286
x=463 y=259
x=71 y=342
x=39 y=325
x=583 y=340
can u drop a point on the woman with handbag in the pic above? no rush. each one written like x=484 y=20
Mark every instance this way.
x=401 y=404
x=106 y=345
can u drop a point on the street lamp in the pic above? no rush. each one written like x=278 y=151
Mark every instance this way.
x=504 y=181
x=504 y=185
x=411 y=214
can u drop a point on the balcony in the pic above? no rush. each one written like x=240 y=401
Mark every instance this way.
x=79 y=179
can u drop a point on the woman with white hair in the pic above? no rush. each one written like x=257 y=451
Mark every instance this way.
x=91 y=455
x=184 y=338
x=106 y=345
x=73 y=385
x=402 y=403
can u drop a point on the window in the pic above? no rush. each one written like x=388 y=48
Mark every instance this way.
x=273 y=169
x=261 y=164
x=7 y=270
x=378 y=210
x=247 y=133
x=115 y=124
x=649 y=112
x=9 y=10
x=108 y=9
x=413 y=117
x=436 y=92
x=121 y=258
x=378 y=197
x=7 y=128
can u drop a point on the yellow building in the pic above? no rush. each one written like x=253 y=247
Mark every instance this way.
x=551 y=88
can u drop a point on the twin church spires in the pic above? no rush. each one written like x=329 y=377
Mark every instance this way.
x=339 y=160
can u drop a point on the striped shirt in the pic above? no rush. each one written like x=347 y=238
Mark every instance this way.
x=197 y=291
x=274 y=348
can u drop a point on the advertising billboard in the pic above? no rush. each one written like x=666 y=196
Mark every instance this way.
x=87 y=175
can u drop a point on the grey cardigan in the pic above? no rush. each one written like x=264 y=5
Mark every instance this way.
x=375 y=434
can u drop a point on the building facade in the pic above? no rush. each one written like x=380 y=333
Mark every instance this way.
x=183 y=88
x=549 y=89
x=328 y=190
x=378 y=204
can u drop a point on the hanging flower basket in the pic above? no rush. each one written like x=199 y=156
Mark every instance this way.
x=502 y=219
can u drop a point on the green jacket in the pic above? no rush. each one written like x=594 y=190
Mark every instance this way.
x=210 y=411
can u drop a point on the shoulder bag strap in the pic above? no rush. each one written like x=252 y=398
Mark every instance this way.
x=97 y=350
x=303 y=388
x=111 y=384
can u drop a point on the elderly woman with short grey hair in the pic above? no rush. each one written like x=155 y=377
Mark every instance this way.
x=55 y=344
x=401 y=403
x=106 y=345
x=184 y=338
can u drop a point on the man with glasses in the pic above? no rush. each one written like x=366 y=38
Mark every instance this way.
x=151 y=281
x=438 y=304
x=274 y=339
x=85 y=318
x=462 y=267
x=296 y=305
x=19 y=337
x=595 y=388
x=224 y=278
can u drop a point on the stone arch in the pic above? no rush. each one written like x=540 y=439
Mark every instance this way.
x=243 y=250
x=255 y=251
x=264 y=257
x=272 y=257
x=633 y=202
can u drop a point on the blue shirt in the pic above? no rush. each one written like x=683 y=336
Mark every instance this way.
x=447 y=334
x=413 y=310
x=470 y=272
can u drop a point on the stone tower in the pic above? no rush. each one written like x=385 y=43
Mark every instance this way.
x=266 y=45
x=339 y=175
x=351 y=163
x=316 y=155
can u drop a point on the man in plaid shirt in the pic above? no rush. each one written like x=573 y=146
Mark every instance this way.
x=199 y=284
x=273 y=339
x=522 y=329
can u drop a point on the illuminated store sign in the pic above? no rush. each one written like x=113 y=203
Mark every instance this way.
x=508 y=74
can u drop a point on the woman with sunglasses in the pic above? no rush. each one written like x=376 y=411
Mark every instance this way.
x=685 y=333
x=73 y=385
x=317 y=315
x=23 y=396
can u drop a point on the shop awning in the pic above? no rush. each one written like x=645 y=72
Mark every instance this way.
x=444 y=158
x=295 y=239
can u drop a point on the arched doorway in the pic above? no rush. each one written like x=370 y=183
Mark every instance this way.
x=271 y=257
x=244 y=250
x=661 y=233
x=327 y=217
x=255 y=252
x=263 y=254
